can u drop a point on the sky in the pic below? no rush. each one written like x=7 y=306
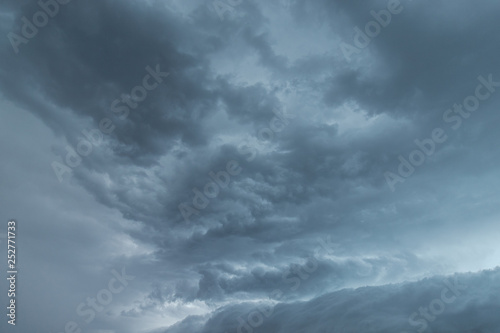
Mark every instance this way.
x=237 y=166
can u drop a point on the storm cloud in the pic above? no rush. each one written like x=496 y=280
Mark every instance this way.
x=328 y=162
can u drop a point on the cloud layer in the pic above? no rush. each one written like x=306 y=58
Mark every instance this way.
x=224 y=150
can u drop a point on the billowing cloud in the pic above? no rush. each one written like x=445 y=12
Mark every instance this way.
x=225 y=150
x=459 y=303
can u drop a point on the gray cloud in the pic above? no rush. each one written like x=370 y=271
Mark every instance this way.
x=313 y=134
x=395 y=308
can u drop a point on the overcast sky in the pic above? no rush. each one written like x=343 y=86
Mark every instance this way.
x=251 y=166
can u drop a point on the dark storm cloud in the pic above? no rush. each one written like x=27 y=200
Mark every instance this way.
x=425 y=59
x=457 y=304
x=85 y=70
x=84 y=67
x=321 y=175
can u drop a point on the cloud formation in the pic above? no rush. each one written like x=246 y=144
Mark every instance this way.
x=257 y=162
